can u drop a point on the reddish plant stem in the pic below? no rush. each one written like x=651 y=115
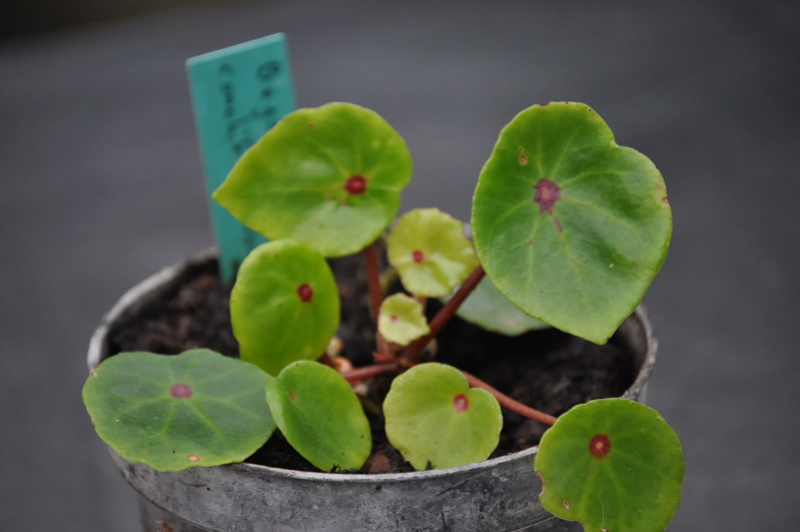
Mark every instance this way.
x=327 y=360
x=374 y=278
x=369 y=371
x=511 y=404
x=446 y=313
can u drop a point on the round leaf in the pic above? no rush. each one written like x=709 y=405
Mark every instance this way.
x=330 y=176
x=320 y=416
x=402 y=319
x=436 y=420
x=491 y=310
x=569 y=226
x=430 y=252
x=284 y=305
x=198 y=408
x=612 y=464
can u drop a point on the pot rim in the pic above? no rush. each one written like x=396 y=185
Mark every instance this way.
x=149 y=287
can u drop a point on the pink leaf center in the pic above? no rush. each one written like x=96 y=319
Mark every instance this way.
x=180 y=391
x=547 y=194
x=461 y=403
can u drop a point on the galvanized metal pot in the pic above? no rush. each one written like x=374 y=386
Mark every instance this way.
x=492 y=496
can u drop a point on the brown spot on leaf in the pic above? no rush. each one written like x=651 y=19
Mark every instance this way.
x=193 y=458
x=565 y=503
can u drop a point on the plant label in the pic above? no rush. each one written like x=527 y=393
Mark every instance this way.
x=238 y=94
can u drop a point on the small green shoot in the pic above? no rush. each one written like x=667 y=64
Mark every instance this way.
x=430 y=252
x=401 y=319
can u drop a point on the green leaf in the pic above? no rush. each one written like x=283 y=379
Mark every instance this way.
x=570 y=226
x=612 y=464
x=330 y=176
x=491 y=310
x=402 y=319
x=430 y=252
x=198 y=408
x=436 y=420
x=320 y=416
x=284 y=305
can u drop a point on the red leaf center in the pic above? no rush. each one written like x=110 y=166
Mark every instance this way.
x=305 y=293
x=356 y=185
x=418 y=256
x=600 y=446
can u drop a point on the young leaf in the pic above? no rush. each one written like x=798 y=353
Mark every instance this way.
x=284 y=305
x=320 y=416
x=491 y=310
x=198 y=408
x=330 y=176
x=430 y=252
x=570 y=226
x=402 y=319
x=612 y=464
x=436 y=420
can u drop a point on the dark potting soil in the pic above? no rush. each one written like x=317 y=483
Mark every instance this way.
x=548 y=370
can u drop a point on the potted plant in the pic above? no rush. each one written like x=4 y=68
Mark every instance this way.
x=567 y=227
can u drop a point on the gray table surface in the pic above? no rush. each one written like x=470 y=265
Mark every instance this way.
x=101 y=186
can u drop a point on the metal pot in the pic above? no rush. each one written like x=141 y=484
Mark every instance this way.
x=495 y=495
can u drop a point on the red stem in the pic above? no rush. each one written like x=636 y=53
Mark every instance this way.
x=447 y=312
x=369 y=371
x=511 y=404
x=374 y=278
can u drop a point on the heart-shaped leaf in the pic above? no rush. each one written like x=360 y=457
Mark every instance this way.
x=612 y=464
x=284 y=305
x=330 y=176
x=436 y=420
x=568 y=225
x=402 y=319
x=491 y=310
x=430 y=252
x=320 y=416
x=198 y=408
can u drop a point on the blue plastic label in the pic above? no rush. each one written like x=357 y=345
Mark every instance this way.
x=238 y=93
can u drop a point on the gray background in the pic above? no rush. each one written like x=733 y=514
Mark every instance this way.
x=101 y=186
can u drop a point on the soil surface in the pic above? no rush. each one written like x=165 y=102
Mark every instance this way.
x=548 y=370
